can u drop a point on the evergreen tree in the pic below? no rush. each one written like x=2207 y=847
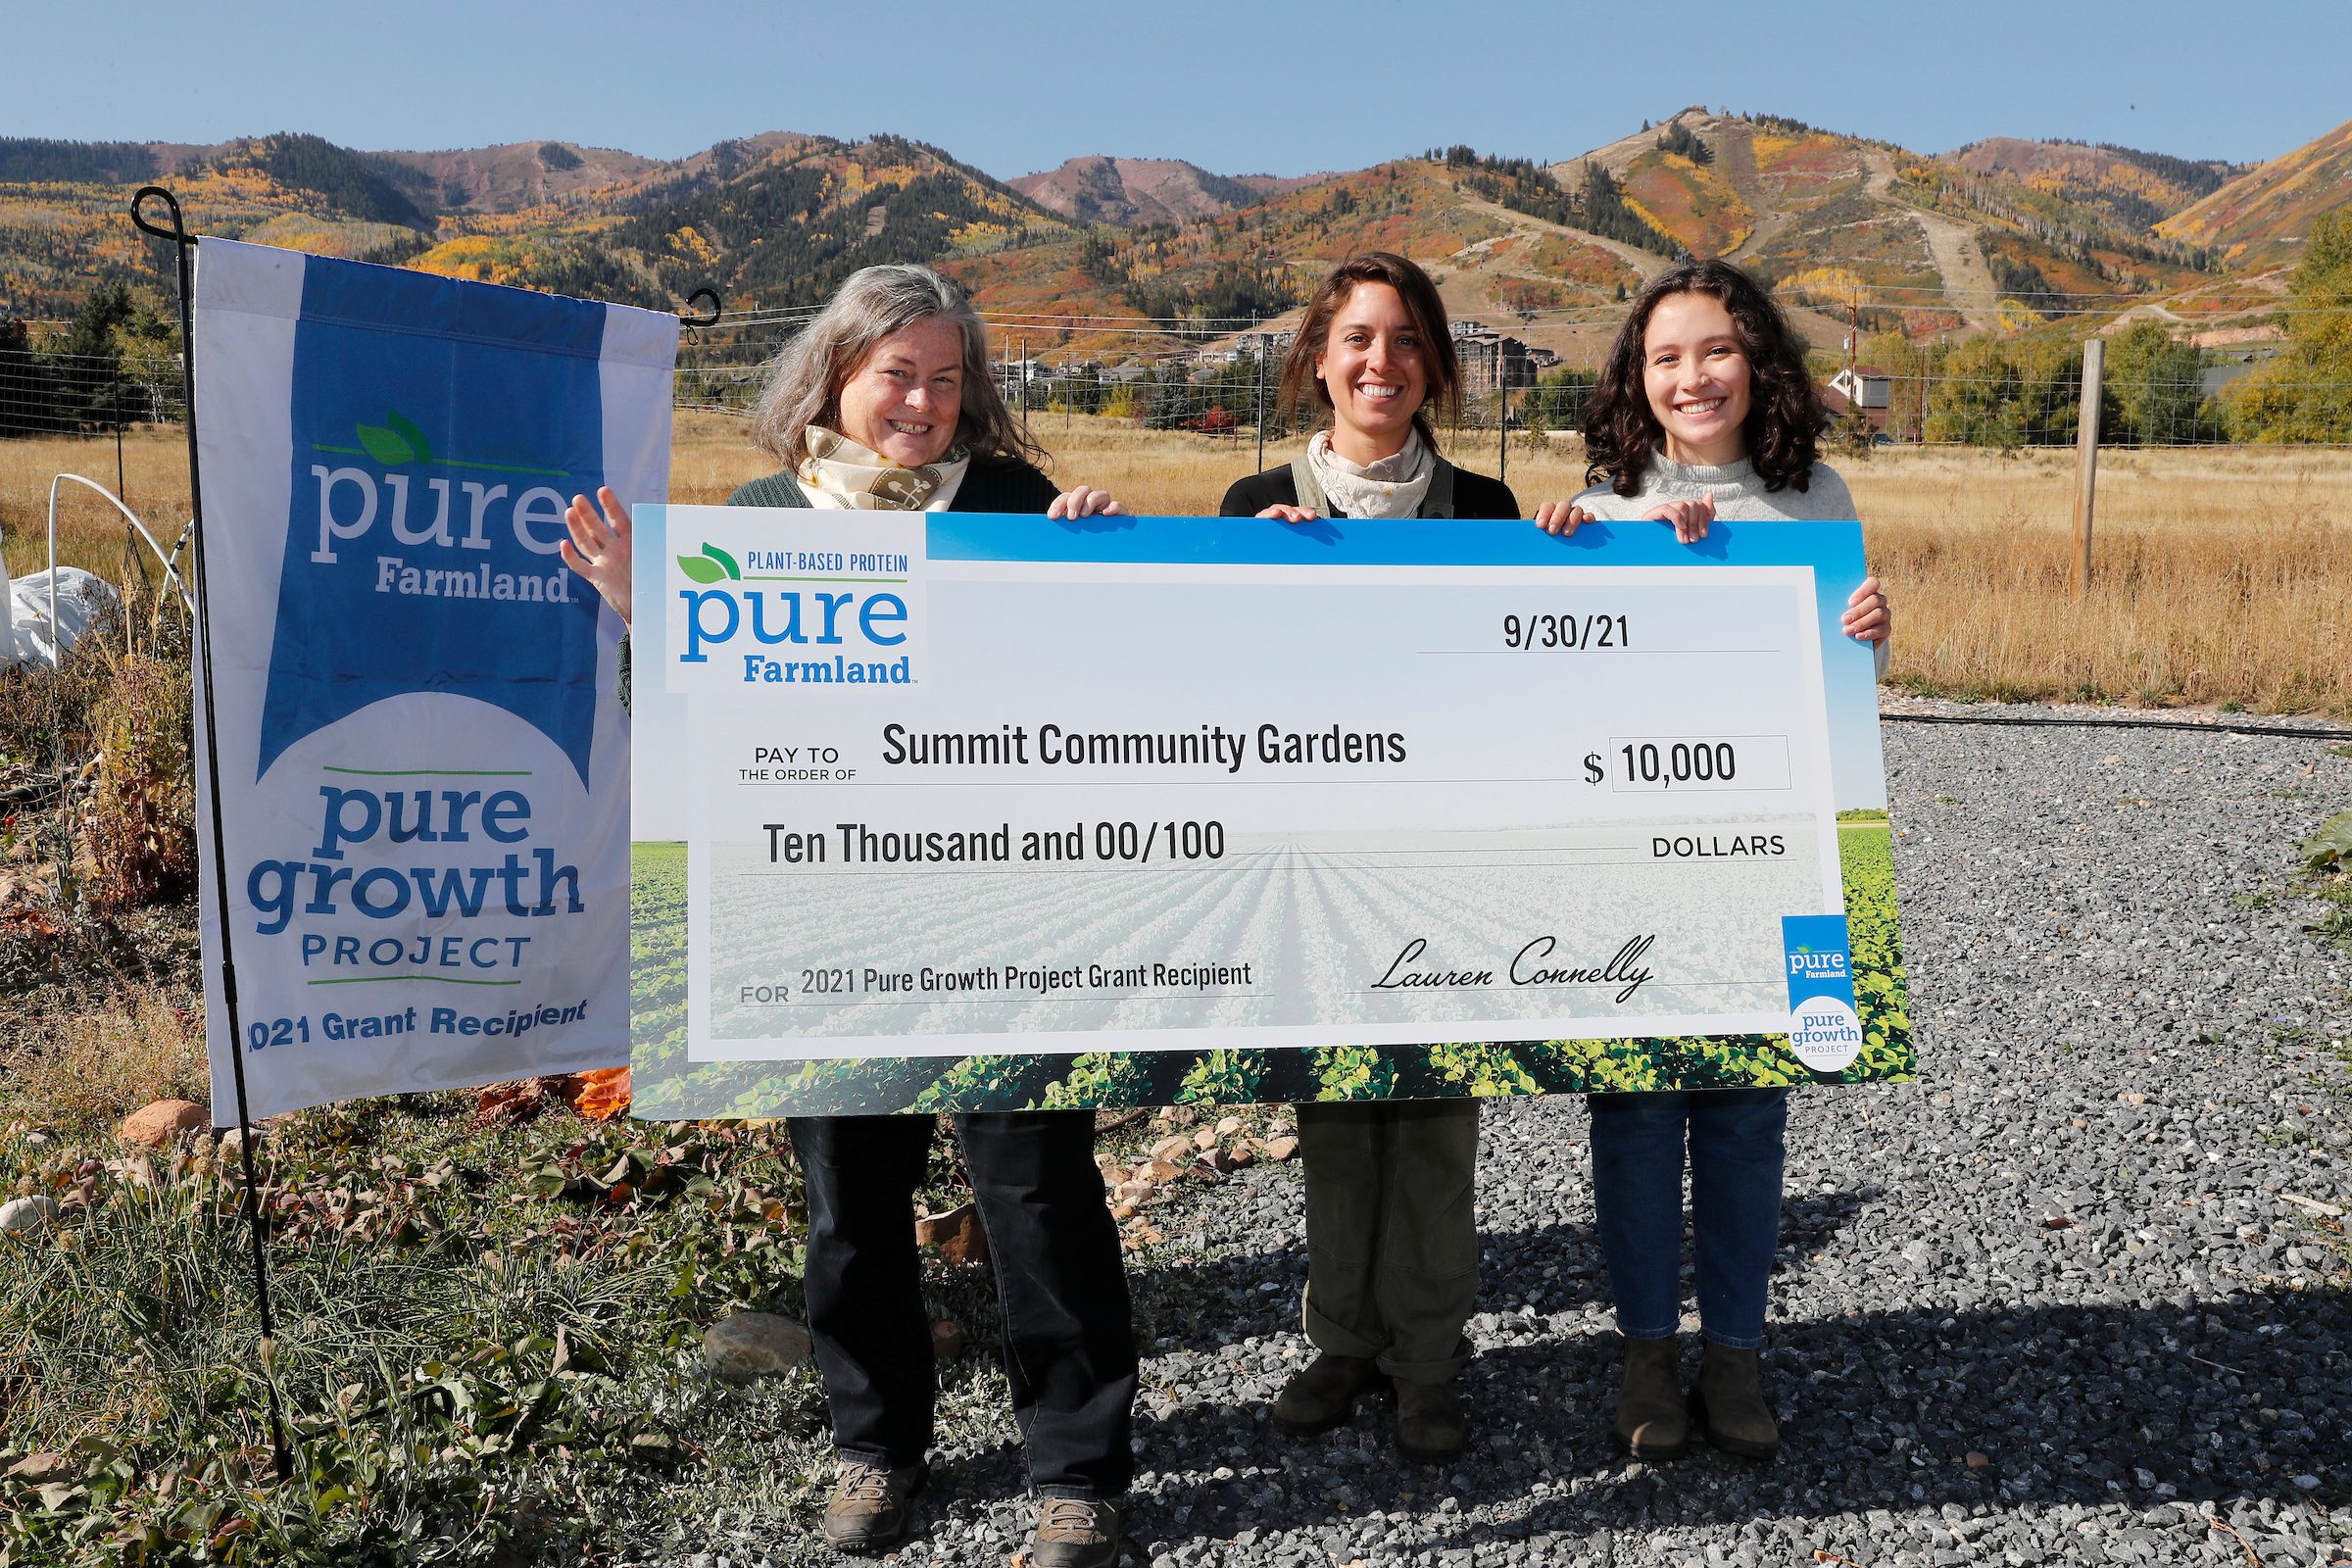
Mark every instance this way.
x=1682 y=139
x=86 y=367
x=27 y=394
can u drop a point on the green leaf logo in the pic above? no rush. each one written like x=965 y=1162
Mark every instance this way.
x=711 y=565
x=407 y=430
x=396 y=441
x=386 y=446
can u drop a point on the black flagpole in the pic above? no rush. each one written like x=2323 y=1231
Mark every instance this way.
x=184 y=248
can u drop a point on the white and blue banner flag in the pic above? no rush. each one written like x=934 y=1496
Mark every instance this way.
x=424 y=760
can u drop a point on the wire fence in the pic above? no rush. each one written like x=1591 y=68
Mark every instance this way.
x=1988 y=390
x=63 y=394
x=1979 y=392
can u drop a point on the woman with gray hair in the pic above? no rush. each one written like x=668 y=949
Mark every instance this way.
x=884 y=402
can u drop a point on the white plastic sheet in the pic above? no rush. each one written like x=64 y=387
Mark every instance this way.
x=27 y=631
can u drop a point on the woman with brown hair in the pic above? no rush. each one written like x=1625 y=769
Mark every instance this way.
x=1391 y=1235
x=1704 y=410
x=885 y=402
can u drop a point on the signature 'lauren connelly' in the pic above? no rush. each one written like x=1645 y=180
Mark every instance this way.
x=1527 y=969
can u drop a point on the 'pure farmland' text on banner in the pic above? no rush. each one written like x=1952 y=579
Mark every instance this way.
x=948 y=811
x=423 y=761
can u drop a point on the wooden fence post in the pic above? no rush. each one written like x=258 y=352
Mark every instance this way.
x=2086 y=440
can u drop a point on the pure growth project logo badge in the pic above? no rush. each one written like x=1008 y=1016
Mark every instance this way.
x=1824 y=1029
x=796 y=611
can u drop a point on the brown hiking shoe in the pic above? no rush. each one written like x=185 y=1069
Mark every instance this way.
x=867 y=1512
x=1728 y=1403
x=1322 y=1394
x=1430 y=1427
x=1650 y=1422
x=1075 y=1533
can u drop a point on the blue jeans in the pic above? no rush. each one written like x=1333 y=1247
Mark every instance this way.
x=1735 y=1156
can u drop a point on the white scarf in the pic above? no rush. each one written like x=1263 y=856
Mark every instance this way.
x=841 y=475
x=1393 y=487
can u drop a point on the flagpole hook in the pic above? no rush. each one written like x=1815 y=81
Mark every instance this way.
x=178 y=233
x=708 y=317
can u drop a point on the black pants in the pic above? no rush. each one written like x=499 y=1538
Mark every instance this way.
x=1069 y=1338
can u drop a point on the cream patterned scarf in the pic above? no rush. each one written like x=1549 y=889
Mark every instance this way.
x=841 y=475
x=1393 y=487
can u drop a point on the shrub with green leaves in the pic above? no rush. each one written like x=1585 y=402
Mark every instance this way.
x=2331 y=848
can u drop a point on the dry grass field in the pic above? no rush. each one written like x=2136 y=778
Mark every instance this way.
x=2224 y=575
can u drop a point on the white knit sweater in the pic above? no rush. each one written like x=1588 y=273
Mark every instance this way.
x=1739 y=497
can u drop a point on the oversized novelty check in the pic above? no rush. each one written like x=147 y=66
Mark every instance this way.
x=1030 y=794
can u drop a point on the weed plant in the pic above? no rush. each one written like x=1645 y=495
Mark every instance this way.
x=487 y=1347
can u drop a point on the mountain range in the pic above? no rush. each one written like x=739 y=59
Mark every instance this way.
x=1118 y=256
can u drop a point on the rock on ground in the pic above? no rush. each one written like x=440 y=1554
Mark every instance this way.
x=957 y=1234
x=754 y=1345
x=157 y=1125
x=24 y=1216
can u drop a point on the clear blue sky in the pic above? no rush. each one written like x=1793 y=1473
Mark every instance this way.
x=1270 y=86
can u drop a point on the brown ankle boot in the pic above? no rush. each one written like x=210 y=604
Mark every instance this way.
x=1728 y=1403
x=1430 y=1426
x=868 y=1509
x=1651 y=1419
x=1322 y=1394
x=1075 y=1533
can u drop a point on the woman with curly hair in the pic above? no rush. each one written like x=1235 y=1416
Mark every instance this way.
x=1704 y=410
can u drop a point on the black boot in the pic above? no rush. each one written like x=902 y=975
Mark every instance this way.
x=1650 y=1420
x=1322 y=1394
x=1728 y=1403
x=1430 y=1426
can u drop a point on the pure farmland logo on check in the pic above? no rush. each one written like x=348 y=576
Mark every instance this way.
x=814 y=604
x=1824 y=1030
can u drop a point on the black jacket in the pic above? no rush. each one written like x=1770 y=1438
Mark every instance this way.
x=990 y=484
x=1473 y=495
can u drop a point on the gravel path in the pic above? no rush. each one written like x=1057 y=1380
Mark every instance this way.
x=2055 y=1302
